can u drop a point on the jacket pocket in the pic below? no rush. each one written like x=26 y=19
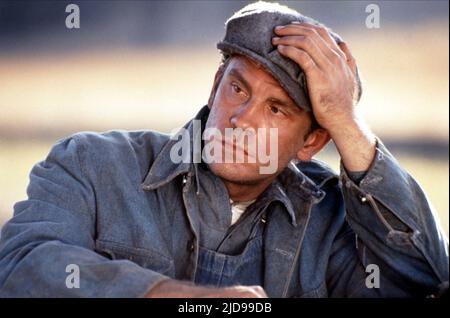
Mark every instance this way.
x=143 y=257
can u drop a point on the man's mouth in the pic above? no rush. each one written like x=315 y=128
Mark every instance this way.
x=229 y=144
x=231 y=147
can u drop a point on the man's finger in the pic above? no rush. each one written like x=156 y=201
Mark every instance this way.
x=301 y=57
x=307 y=45
x=259 y=291
x=325 y=34
x=298 y=29
x=245 y=292
x=349 y=57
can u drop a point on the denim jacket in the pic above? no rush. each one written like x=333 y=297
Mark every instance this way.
x=115 y=206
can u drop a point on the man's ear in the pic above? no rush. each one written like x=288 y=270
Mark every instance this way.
x=217 y=78
x=315 y=142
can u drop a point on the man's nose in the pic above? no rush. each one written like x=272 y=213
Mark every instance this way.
x=245 y=115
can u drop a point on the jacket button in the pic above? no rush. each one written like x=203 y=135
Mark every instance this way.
x=190 y=246
x=363 y=199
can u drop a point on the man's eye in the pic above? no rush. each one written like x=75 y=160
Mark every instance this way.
x=274 y=109
x=236 y=88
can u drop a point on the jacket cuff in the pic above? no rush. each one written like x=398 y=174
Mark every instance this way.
x=388 y=189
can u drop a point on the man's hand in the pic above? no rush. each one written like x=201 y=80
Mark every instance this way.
x=330 y=71
x=178 y=289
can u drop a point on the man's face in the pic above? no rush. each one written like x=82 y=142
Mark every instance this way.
x=249 y=98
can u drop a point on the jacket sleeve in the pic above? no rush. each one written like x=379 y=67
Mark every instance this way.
x=53 y=232
x=390 y=225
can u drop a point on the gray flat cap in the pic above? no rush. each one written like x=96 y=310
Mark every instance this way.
x=249 y=32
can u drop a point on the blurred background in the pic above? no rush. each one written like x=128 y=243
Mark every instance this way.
x=150 y=65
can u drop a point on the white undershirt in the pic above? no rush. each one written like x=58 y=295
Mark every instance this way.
x=237 y=209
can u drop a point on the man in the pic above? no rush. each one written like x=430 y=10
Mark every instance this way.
x=115 y=215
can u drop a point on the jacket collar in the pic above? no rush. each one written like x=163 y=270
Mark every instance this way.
x=163 y=169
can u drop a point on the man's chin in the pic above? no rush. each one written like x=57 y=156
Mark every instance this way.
x=243 y=173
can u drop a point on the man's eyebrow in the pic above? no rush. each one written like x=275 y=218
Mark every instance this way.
x=234 y=72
